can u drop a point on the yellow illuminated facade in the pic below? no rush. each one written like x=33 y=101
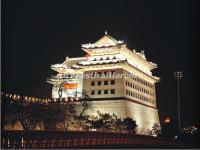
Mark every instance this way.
x=116 y=79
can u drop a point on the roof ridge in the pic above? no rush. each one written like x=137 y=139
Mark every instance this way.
x=107 y=35
x=112 y=38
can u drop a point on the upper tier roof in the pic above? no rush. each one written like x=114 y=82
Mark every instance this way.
x=105 y=41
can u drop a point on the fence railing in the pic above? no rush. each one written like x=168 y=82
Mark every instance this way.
x=48 y=140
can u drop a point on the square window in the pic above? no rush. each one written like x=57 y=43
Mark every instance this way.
x=105 y=82
x=92 y=92
x=105 y=91
x=93 y=74
x=92 y=83
x=99 y=92
x=112 y=82
x=99 y=74
x=99 y=82
x=112 y=72
x=112 y=91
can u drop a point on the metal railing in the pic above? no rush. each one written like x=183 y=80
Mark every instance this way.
x=48 y=140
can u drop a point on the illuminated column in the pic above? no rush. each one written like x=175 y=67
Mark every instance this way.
x=178 y=75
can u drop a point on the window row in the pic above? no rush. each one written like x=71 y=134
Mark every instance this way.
x=142 y=81
x=99 y=92
x=106 y=82
x=104 y=58
x=138 y=96
x=139 y=88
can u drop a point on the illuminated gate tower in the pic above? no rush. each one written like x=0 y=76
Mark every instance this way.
x=117 y=80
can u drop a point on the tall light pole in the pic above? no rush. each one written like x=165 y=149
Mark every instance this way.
x=178 y=75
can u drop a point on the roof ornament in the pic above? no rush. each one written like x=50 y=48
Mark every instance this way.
x=106 y=32
x=142 y=54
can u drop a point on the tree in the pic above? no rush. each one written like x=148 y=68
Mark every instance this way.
x=52 y=115
x=155 y=131
x=117 y=124
x=9 y=117
x=69 y=110
x=129 y=125
x=83 y=102
x=28 y=114
x=6 y=115
x=96 y=122
x=81 y=123
x=84 y=105
x=57 y=115
x=108 y=120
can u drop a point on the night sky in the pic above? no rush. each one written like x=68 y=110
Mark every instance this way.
x=38 y=33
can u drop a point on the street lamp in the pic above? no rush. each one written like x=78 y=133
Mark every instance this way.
x=178 y=75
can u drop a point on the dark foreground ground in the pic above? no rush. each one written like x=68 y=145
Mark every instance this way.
x=79 y=139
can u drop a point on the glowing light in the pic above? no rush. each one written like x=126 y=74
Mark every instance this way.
x=22 y=141
x=167 y=120
x=30 y=99
x=8 y=142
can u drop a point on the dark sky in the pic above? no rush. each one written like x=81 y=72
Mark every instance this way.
x=38 y=33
